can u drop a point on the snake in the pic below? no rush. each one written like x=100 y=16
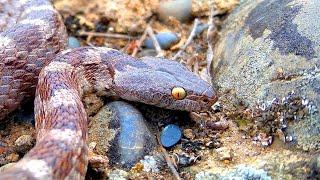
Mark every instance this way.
x=35 y=63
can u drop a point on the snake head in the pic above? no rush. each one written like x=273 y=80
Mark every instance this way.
x=163 y=83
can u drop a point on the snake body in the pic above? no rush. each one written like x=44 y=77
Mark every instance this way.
x=32 y=60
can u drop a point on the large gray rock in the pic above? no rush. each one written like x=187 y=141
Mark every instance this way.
x=269 y=48
x=122 y=134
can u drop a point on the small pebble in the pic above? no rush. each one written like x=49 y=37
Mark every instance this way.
x=224 y=154
x=13 y=157
x=184 y=160
x=165 y=39
x=73 y=42
x=24 y=143
x=152 y=164
x=180 y=9
x=188 y=133
x=204 y=175
x=118 y=174
x=170 y=135
x=200 y=28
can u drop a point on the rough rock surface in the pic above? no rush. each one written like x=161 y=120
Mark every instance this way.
x=269 y=48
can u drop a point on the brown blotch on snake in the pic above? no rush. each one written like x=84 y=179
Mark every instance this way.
x=31 y=41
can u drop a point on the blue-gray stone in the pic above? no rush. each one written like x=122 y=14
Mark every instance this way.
x=165 y=39
x=133 y=140
x=73 y=42
x=170 y=135
x=200 y=28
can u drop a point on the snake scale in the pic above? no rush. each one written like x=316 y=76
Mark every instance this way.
x=34 y=63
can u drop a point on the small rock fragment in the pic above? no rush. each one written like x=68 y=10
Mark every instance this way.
x=98 y=162
x=246 y=172
x=118 y=175
x=224 y=154
x=152 y=164
x=24 y=143
x=137 y=168
x=188 y=133
x=170 y=135
x=13 y=157
x=204 y=175
x=184 y=159
x=219 y=125
x=200 y=28
x=165 y=39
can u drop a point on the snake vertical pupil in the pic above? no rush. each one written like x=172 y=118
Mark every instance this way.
x=178 y=93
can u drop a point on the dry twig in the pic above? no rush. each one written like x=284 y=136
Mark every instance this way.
x=155 y=42
x=139 y=43
x=142 y=38
x=193 y=64
x=211 y=36
x=190 y=38
x=107 y=35
x=167 y=158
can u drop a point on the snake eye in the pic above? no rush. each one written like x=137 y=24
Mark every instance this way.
x=178 y=93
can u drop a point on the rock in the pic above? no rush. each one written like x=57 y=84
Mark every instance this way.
x=121 y=133
x=185 y=160
x=73 y=42
x=13 y=157
x=152 y=164
x=180 y=9
x=170 y=135
x=204 y=175
x=188 y=133
x=200 y=28
x=165 y=40
x=224 y=154
x=24 y=143
x=269 y=48
x=118 y=175
x=246 y=172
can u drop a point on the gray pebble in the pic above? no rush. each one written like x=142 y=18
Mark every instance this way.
x=200 y=28
x=165 y=39
x=73 y=42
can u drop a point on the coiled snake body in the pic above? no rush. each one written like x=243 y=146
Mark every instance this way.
x=31 y=60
